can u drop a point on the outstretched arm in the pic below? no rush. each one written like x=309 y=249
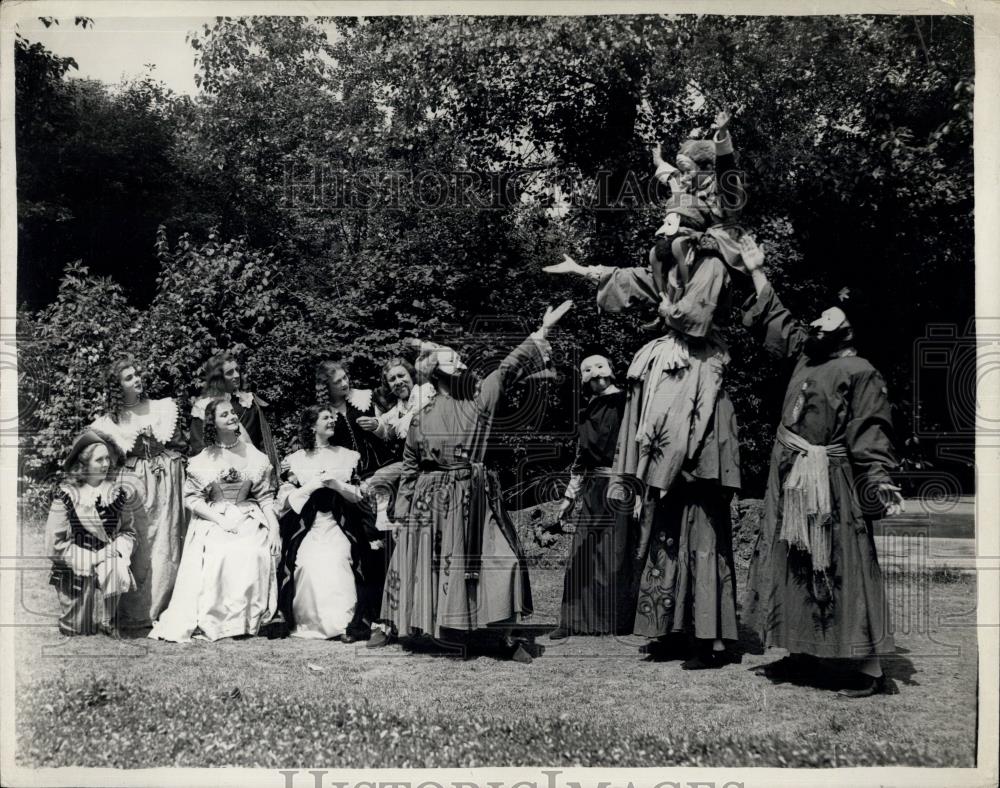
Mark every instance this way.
x=618 y=288
x=528 y=358
x=763 y=313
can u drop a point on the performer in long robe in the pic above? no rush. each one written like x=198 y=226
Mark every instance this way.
x=458 y=564
x=226 y=585
x=224 y=380
x=597 y=598
x=678 y=449
x=148 y=433
x=91 y=536
x=815 y=585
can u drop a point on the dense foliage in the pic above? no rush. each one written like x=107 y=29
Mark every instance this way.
x=340 y=184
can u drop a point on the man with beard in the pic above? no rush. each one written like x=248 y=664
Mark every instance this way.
x=815 y=586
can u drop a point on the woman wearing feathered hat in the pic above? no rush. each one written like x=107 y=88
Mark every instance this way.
x=91 y=534
x=458 y=564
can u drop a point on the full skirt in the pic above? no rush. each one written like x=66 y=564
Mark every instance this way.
x=325 y=594
x=226 y=584
x=157 y=556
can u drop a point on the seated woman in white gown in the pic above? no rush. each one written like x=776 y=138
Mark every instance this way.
x=226 y=584
x=321 y=510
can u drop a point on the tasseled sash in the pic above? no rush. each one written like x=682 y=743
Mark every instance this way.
x=806 y=513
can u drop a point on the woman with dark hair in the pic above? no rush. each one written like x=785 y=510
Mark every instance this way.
x=148 y=433
x=91 y=536
x=224 y=380
x=678 y=444
x=324 y=518
x=458 y=564
x=348 y=405
x=226 y=585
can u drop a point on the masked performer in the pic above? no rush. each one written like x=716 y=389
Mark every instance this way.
x=596 y=592
x=458 y=564
x=677 y=447
x=815 y=585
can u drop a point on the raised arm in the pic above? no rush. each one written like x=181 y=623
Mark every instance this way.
x=763 y=313
x=729 y=180
x=528 y=358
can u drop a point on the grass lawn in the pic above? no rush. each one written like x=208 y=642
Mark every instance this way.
x=586 y=701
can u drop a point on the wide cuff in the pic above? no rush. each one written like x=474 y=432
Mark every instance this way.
x=756 y=306
x=723 y=143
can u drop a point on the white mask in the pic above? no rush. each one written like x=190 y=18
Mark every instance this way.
x=595 y=367
x=830 y=320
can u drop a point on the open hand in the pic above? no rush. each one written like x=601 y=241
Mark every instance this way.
x=753 y=255
x=891 y=498
x=722 y=119
x=567 y=266
x=553 y=316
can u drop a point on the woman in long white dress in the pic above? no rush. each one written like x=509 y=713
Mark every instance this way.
x=226 y=584
x=322 y=510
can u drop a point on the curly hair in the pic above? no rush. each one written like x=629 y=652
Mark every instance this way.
x=325 y=371
x=384 y=392
x=215 y=380
x=211 y=432
x=307 y=425
x=76 y=473
x=113 y=386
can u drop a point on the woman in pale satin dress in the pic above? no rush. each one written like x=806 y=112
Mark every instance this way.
x=226 y=585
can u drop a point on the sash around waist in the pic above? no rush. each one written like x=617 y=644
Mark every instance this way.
x=800 y=445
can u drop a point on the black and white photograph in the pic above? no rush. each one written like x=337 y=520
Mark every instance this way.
x=536 y=394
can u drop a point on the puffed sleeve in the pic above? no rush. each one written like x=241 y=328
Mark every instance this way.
x=869 y=433
x=765 y=315
x=693 y=310
x=620 y=289
x=194 y=491
x=262 y=487
x=529 y=358
x=59 y=543
x=283 y=500
x=409 y=473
